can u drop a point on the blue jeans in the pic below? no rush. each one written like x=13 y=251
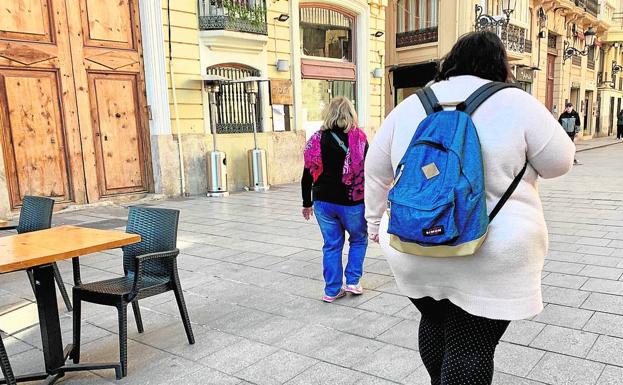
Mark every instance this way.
x=334 y=219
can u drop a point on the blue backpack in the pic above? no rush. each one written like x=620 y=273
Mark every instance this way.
x=437 y=204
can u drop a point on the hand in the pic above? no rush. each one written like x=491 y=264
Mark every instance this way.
x=308 y=212
x=374 y=238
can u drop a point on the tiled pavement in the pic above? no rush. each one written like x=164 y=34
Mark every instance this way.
x=251 y=271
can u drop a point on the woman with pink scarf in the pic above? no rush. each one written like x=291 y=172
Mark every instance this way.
x=334 y=160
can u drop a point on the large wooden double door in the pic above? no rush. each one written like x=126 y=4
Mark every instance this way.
x=72 y=100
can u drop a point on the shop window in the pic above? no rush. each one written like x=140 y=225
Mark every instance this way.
x=234 y=113
x=326 y=33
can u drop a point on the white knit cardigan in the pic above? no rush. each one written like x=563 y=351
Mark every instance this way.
x=503 y=279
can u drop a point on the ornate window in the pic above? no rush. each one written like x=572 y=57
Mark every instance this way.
x=416 y=22
x=234 y=113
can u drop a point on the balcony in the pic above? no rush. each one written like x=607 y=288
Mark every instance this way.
x=514 y=38
x=233 y=15
x=590 y=6
x=417 y=37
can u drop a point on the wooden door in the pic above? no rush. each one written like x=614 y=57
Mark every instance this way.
x=38 y=118
x=72 y=99
x=108 y=69
x=549 y=86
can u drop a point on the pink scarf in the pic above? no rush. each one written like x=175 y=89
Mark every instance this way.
x=352 y=172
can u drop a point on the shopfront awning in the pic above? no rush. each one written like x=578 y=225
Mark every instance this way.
x=414 y=75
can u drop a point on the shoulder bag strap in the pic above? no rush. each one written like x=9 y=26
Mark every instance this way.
x=339 y=142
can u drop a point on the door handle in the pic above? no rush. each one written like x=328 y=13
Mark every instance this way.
x=53 y=140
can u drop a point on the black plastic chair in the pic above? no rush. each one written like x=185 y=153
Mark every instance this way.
x=35 y=215
x=9 y=378
x=150 y=268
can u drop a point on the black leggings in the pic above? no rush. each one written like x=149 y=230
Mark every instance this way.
x=619 y=132
x=456 y=347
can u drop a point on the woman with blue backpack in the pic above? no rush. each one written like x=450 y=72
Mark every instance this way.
x=451 y=195
x=334 y=161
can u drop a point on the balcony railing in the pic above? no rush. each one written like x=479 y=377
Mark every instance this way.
x=417 y=37
x=233 y=15
x=514 y=38
x=590 y=64
x=591 y=6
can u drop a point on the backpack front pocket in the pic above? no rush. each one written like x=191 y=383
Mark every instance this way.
x=426 y=226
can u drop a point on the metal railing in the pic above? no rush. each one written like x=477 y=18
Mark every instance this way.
x=417 y=37
x=514 y=38
x=590 y=6
x=234 y=113
x=233 y=15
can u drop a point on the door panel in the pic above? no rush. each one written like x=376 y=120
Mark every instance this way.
x=106 y=55
x=25 y=20
x=118 y=141
x=33 y=134
x=549 y=86
x=38 y=119
x=107 y=23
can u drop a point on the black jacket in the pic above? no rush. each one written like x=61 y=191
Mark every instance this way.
x=570 y=121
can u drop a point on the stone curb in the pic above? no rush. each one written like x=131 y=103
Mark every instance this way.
x=599 y=146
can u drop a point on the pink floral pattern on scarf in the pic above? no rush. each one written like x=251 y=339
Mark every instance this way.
x=352 y=171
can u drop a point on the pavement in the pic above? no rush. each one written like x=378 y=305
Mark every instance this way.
x=252 y=276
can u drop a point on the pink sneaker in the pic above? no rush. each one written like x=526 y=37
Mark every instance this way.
x=355 y=289
x=329 y=299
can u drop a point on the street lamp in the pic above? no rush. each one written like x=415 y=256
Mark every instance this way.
x=217 y=163
x=258 y=169
x=485 y=22
x=589 y=40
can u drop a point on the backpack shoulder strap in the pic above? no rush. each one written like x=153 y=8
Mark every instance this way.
x=428 y=99
x=483 y=93
x=508 y=193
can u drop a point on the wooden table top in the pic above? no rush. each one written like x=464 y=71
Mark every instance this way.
x=21 y=251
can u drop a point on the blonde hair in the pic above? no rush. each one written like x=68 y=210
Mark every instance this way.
x=339 y=113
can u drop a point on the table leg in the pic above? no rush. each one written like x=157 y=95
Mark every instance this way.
x=45 y=294
x=49 y=323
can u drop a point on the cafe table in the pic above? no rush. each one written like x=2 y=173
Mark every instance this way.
x=37 y=251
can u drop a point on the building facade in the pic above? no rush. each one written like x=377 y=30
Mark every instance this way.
x=538 y=39
x=103 y=101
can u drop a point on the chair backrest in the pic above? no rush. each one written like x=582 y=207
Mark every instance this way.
x=157 y=228
x=36 y=214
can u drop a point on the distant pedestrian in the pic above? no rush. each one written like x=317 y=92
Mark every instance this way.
x=334 y=162
x=620 y=125
x=570 y=121
x=468 y=301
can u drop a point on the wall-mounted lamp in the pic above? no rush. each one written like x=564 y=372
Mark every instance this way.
x=378 y=34
x=283 y=65
x=616 y=68
x=377 y=73
x=589 y=41
x=485 y=22
x=283 y=17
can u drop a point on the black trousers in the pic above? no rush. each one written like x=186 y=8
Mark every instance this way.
x=456 y=347
x=619 y=132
